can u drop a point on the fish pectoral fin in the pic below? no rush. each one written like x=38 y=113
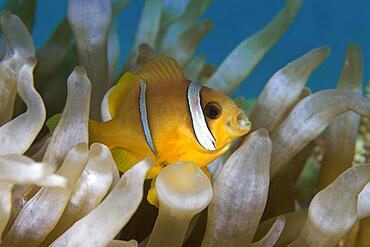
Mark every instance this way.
x=125 y=159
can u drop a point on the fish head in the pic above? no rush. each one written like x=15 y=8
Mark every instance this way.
x=224 y=119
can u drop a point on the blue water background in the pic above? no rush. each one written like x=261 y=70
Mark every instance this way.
x=319 y=22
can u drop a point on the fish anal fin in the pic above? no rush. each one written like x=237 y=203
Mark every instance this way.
x=152 y=195
x=125 y=159
x=154 y=171
x=153 y=174
x=162 y=70
x=206 y=171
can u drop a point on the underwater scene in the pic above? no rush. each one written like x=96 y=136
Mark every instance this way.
x=168 y=123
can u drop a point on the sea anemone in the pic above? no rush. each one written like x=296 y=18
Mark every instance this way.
x=298 y=179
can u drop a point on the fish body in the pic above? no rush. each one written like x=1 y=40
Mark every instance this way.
x=158 y=113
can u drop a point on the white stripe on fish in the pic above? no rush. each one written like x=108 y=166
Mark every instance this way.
x=144 y=116
x=201 y=130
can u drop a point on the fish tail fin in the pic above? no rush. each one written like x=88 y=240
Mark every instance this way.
x=54 y=120
x=94 y=127
x=94 y=130
x=98 y=133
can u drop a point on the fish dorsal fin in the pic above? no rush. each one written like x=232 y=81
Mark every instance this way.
x=119 y=92
x=162 y=70
x=157 y=70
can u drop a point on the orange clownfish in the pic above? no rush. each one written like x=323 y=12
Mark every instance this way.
x=157 y=113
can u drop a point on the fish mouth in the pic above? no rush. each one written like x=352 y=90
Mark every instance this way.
x=239 y=125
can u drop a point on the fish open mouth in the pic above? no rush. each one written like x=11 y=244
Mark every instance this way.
x=239 y=125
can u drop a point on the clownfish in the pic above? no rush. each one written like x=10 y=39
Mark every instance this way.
x=157 y=113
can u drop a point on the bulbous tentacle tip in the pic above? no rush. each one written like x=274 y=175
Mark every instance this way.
x=208 y=24
x=191 y=187
x=31 y=61
x=294 y=3
x=353 y=45
x=97 y=149
x=321 y=52
x=144 y=47
x=262 y=132
x=5 y=14
x=327 y=49
x=79 y=70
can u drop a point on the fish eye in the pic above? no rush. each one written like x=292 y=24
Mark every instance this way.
x=212 y=110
